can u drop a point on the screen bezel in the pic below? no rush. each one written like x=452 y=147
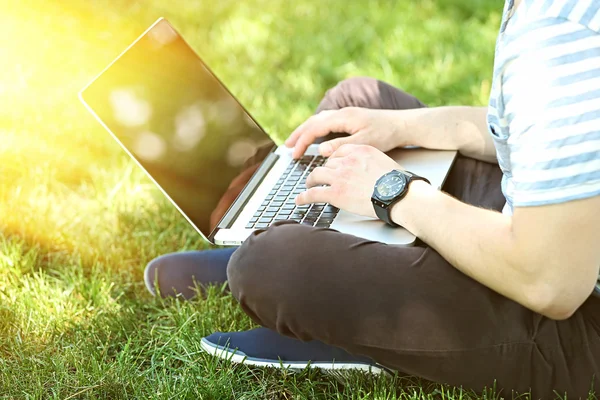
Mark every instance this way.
x=209 y=235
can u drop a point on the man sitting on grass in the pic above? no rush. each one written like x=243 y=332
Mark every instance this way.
x=504 y=287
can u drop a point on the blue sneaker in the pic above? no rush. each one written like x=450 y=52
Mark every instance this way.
x=266 y=348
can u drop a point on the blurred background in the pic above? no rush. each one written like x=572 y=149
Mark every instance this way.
x=79 y=221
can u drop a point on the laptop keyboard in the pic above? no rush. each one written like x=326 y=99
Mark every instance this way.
x=279 y=204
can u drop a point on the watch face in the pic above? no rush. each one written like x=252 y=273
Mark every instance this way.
x=389 y=186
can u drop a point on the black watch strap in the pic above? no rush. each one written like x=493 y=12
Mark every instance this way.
x=385 y=215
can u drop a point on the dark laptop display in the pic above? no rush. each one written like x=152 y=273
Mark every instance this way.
x=180 y=123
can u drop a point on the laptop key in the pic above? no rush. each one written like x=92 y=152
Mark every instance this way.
x=269 y=214
x=328 y=215
x=285 y=212
x=311 y=219
x=261 y=226
x=325 y=220
x=250 y=225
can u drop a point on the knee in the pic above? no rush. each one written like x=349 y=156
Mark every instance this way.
x=349 y=88
x=351 y=92
x=350 y=84
x=272 y=273
x=268 y=264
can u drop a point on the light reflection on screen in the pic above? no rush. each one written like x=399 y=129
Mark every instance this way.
x=180 y=123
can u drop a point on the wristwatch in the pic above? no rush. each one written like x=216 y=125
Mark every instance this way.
x=389 y=189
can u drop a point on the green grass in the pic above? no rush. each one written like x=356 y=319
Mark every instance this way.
x=78 y=221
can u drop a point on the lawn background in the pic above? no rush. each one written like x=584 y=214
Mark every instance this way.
x=78 y=221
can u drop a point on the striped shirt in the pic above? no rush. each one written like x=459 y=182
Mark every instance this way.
x=544 y=109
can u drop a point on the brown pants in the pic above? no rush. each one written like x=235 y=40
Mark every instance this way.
x=407 y=307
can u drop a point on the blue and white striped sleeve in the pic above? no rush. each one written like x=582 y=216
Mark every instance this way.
x=551 y=96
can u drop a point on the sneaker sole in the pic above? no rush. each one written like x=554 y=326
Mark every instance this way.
x=239 y=357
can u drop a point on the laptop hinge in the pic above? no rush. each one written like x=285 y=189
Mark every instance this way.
x=239 y=203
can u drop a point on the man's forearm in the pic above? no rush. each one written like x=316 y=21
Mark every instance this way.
x=451 y=128
x=478 y=242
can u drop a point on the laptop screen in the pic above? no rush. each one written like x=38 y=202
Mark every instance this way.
x=180 y=123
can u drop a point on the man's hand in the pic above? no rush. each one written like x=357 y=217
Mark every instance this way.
x=350 y=175
x=378 y=128
x=438 y=128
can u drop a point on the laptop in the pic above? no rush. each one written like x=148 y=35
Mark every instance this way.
x=209 y=156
